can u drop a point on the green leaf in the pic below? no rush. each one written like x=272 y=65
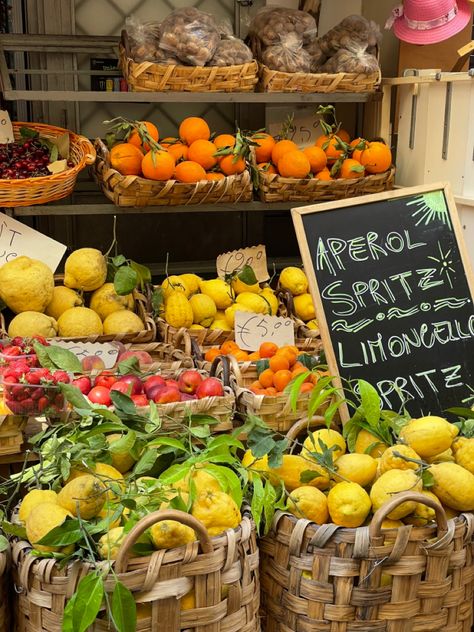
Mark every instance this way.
x=157 y=300
x=124 y=444
x=146 y=462
x=14 y=529
x=4 y=544
x=123 y=403
x=125 y=280
x=54 y=153
x=124 y=609
x=175 y=473
x=64 y=359
x=370 y=402
x=260 y=442
x=42 y=355
x=294 y=387
x=143 y=273
x=224 y=441
x=118 y=261
x=309 y=475
x=331 y=410
x=228 y=480
x=427 y=478
x=129 y=503
x=247 y=275
x=257 y=502
x=202 y=419
x=269 y=502
x=168 y=441
x=65 y=467
x=466 y=413
x=75 y=397
x=89 y=595
x=129 y=365
x=275 y=457
x=67 y=624
x=27 y=132
x=69 y=532
x=201 y=432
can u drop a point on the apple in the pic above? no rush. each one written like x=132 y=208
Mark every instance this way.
x=122 y=387
x=100 y=395
x=152 y=382
x=140 y=400
x=144 y=358
x=210 y=387
x=106 y=378
x=153 y=390
x=172 y=383
x=134 y=381
x=92 y=363
x=189 y=381
x=83 y=383
x=186 y=397
x=167 y=394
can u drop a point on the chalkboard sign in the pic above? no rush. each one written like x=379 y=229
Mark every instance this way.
x=393 y=290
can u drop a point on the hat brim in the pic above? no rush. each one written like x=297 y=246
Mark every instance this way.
x=438 y=34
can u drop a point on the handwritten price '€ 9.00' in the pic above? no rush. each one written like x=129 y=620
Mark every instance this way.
x=252 y=331
x=238 y=260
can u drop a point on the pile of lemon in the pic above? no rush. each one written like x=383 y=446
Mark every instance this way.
x=359 y=483
x=42 y=308
x=296 y=282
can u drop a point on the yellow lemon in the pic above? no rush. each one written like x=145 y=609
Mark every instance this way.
x=204 y=309
x=446 y=456
x=391 y=483
x=310 y=503
x=197 y=327
x=304 y=307
x=358 y=468
x=269 y=295
x=28 y=324
x=255 y=302
x=63 y=298
x=109 y=544
x=175 y=283
x=367 y=443
x=312 y=324
x=41 y=520
x=453 y=485
x=239 y=286
x=428 y=435
x=422 y=514
x=79 y=322
x=220 y=323
x=349 y=504
x=203 y=481
x=294 y=280
x=85 y=269
x=230 y=313
x=217 y=511
x=121 y=461
x=34 y=498
x=123 y=322
x=169 y=534
x=26 y=285
x=188 y=601
x=220 y=292
x=190 y=281
x=293 y=466
x=395 y=458
x=463 y=449
x=391 y=524
x=330 y=440
x=84 y=496
x=178 y=310
x=105 y=301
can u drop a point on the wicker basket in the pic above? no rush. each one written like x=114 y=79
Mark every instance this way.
x=47 y=188
x=275 y=188
x=202 y=337
x=138 y=191
x=5 y=592
x=167 y=358
x=11 y=433
x=306 y=339
x=211 y=567
x=366 y=579
x=147 y=76
x=276 y=81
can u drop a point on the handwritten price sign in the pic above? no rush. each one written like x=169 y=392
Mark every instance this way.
x=255 y=257
x=106 y=352
x=253 y=329
x=6 y=128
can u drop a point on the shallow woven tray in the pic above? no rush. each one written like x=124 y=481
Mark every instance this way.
x=275 y=188
x=147 y=76
x=167 y=359
x=276 y=81
x=431 y=569
x=138 y=191
x=48 y=188
x=43 y=588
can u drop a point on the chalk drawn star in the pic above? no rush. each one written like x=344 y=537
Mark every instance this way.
x=445 y=264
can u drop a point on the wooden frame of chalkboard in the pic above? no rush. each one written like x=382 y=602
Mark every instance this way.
x=408 y=264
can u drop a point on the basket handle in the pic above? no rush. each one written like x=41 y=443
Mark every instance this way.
x=402 y=497
x=225 y=361
x=88 y=149
x=196 y=350
x=235 y=369
x=183 y=336
x=148 y=521
x=301 y=424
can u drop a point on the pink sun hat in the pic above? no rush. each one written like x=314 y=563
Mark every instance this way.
x=429 y=21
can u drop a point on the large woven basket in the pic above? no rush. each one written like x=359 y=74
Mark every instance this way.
x=222 y=571
x=277 y=81
x=331 y=579
x=147 y=76
x=5 y=591
x=275 y=188
x=11 y=432
x=138 y=191
x=306 y=339
x=47 y=188
x=202 y=337
x=168 y=358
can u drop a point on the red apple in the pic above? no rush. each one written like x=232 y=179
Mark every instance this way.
x=168 y=394
x=134 y=381
x=152 y=382
x=189 y=381
x=210 y=387
x=140 y=400
x=153 y=390
x=106 y=378
x=172 y=383
x=83 y=383
x=144 y=358
x=122 y=387
x=186 y=397
x=100 y=395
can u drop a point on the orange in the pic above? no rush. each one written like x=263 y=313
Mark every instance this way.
x=168 y=141
x=265 y=145
x=281 y=379
x=211 y=354
x=377 y=158
x=343 y=135
x=229 y=346
x=350 y=169
x=158 y=165
x=267 y=349
x=215 y=176
x=306 y=387
x=224 y=140
x=266 y=378
x=254 y=385
x=356 y=153
x=279 y=362
x=257 y=391
x=280 y=149
x=127 y=159
x=332 y=153
x=294 y=164
x=240 y=355
x=325 y=174
x=179 y=151
x=189 y=171
x=290 y=354
x=194 y=128
x=317 y=158
x=230 y=166
x=134 y=136
x=322 y=140
x=271 y=390
x=267 y=167
x=202 y=152
x=253 y=357
x=298 y=370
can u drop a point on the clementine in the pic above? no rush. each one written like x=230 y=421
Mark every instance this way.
x=134 y=137
x=265 y=144
x=127 y=159
x=179 y=151
x=194 y=128
x=281 y=379
x=266 y=167
x=229 y=346
x=343 y=135
x=211 y=354
x=224 y=140
x=202 y=152
x=267 y=349
x=279 y=362
x=266 y=378
x=317 y=158
x=215 y=176
x=280 y=148
x=230 y=166
x=294 y=164
x=189 y=171
x=351 y=169
x=377 y=158
x=158 y=165
x=324 y=174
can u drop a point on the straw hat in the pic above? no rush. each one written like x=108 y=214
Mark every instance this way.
x=429 y=21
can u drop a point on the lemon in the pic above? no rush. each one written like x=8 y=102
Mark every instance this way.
x=269 y=295
x=310 y=503
x=294 y=280
x=85 y=269
x=304 y=307
x=121 y=461
x=393 y=459
x=454 y=486
x=78 y=322
x=367 y=443
x=105 y=301
x=391 y=524
x=203 y=481
x=239 y=286
x=197 y=327
x=422 y=514
x=230 y=313
x=191 y=282
x=349 y=504
x=217 y=511
x=107 y=513
x=391 y=483
x=26 y=285
x=255 y=302
x=249 y=461
x=220 y=324
x=293 y=466
x=41 y=520
x=109 y=544
x=220 y=292
x=144 y=611
x=463 y=449
x=169 y=534
x=442 y=457
x=204 y=309
x=28 y=324
x=175 y=283
x=63 y=298
x=331 y=440
x=84 y=496
x=34 y=498
x=123 y=322
x=450 y=513
x=178 y=310
x=312 y=324
x=358 y=468
x=428 y=435
x=188 y=601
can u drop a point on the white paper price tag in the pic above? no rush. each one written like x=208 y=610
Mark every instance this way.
x=255 y=257
x=253 y=329
x=106 y=352
x=17 y=239
x=305 y=129
x=6 y=128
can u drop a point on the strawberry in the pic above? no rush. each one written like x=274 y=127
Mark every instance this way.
x=61 y=376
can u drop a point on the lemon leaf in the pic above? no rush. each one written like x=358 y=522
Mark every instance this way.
x=247 y=275
x=309 y=475
x=125 y=280
x=370 y=401
x=69 y=532
x=3 y=543
x=89 y=595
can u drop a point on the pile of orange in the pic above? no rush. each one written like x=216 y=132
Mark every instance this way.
x=332 y=156
x=190 y=157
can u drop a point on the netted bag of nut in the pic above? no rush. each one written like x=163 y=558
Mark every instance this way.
x=231 y=51
x=357 y=60
x=144 y=39
x=272 y=23
x=287 y=56
x=317 y=56
x=191 y=35
x=353 y=30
